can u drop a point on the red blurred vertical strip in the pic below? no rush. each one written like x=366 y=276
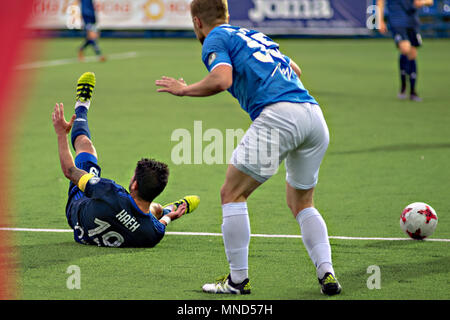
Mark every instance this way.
x=13 y=17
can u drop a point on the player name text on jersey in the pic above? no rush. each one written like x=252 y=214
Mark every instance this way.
x=127 y=220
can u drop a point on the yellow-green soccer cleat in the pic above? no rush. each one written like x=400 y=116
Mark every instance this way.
x=329 y=285
x=85 y=87
x=192 y=203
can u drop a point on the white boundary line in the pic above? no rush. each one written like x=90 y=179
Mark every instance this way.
x=175 y=233
x=60 y=62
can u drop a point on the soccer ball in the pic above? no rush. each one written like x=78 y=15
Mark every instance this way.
x=418 y=220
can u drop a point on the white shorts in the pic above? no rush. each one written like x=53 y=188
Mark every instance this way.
x=296 y=132
x=91 y=27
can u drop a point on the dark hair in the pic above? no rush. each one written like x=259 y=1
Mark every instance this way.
x=151 y=177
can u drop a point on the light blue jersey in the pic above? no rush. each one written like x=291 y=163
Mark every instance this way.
x=261 y=73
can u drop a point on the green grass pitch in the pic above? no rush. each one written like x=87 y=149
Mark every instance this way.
x=383 y=155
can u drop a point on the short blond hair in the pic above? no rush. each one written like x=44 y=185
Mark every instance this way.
x=210 y=12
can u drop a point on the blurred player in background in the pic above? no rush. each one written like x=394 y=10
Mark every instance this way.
x=90 y=26
x=99 y=211
x=267 y=85
x=405 y=27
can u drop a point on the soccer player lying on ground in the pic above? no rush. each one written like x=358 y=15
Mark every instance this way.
x=266 y=83
x=100 y=211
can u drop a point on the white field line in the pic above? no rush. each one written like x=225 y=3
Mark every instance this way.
x=60 y=62
x=220 y=235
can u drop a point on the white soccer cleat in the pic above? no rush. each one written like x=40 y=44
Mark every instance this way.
x=224 y=285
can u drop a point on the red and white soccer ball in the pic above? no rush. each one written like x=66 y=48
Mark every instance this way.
x=418 y=220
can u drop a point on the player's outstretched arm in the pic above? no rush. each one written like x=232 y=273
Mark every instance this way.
x=62 y=129
x=218 y=80
x=174 y=214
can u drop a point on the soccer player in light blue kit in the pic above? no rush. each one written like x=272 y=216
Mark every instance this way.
x=287 y=120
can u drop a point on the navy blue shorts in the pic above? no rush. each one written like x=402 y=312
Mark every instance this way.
x=87 y=162
x=89 y=18
x=409 y=34
x=90 y=23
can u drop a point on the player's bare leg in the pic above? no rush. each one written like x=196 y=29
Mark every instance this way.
x=84 y=144
x=237 y=186
x=314 y=235
x=236 y=232
x=404 y=47
x=297 y=199
x=412 y=53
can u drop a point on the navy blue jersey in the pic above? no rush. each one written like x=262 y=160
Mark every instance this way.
x=262 y=75
x=105 y=214
x=88 y=11
x=403 y=14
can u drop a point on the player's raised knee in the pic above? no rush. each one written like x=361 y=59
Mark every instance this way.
x=404 y=47
x=84 y=144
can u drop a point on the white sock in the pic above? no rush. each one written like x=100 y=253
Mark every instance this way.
x=315 y=238
x=236 y=238
x=85 y=104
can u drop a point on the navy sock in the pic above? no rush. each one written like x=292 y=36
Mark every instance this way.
x=412 y=75
x=86 y=44
x=80 y=125
x=403 y=71
x=96 y=47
